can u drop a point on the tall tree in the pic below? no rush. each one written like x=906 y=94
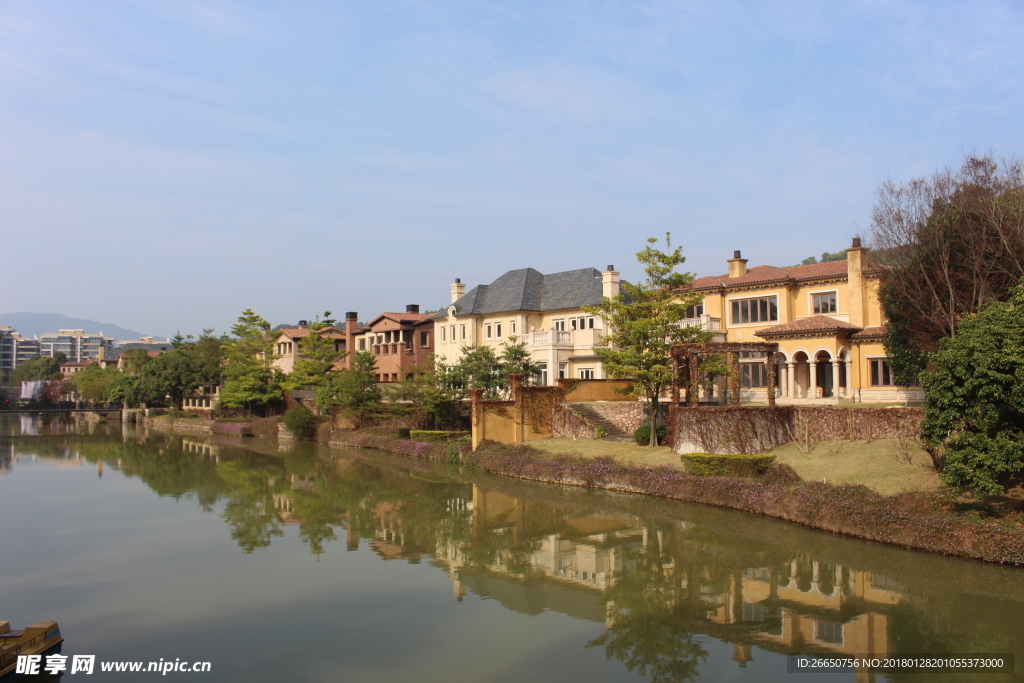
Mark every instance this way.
x=951 y=243
x=318 y=354
x=208 y=354
x=644 y=323
x=355 y=389
x=250 y=379
x=173 y=374
x=35 y=369
x=92 y=381
x=425 y=394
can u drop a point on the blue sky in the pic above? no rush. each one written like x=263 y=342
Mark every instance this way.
x=164 y=165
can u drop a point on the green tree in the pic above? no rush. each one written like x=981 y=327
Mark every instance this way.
x=515 y=359
x=975 y=394
x=92 y=381
x=208 y=354
x=425 y=393
x=250 y=380
x=36 y=369
x=60 y=357
x=318 y=352
x=644 y=322
x=173 y=374
x=477 y=368
x=127 y=389
x=133 y=360
x=354 y=389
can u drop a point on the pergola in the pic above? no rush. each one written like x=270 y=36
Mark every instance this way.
x=689 y=355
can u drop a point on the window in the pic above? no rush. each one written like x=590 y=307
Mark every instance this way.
x=542 y=374
x=463 y=332
x=586 y=373
x=497 y=330
x=424 y=339
x=755 y=310
x=443 y=337
x=512 y=326
x=559 y=325
x=881 y=373
x=362 y=344
x=828 y=632
x=824 y=303
x=753 y=375
x=563 y=370
x=695 y=311
x=453 y=332
x=487 y=331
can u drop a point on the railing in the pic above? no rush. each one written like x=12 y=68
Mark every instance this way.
x=705 y=322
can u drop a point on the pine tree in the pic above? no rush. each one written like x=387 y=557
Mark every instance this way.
x=644 y=321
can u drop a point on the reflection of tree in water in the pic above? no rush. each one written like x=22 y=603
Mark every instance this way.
x=652 y=611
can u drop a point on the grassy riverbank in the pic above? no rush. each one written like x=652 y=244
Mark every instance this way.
x=888 y=466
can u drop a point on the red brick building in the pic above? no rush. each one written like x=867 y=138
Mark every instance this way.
x=399 y=341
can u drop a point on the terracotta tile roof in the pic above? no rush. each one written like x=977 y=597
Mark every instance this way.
x=413 y=318
x=869 y=333
x=766 y=274
x=817 y=323
x=300 y=332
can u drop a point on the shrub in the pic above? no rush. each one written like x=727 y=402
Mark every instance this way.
x=643 y=434
x=300 y=421
x=435 y=435
x=781 y=473
x=728 y=465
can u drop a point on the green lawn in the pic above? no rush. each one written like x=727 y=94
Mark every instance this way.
x=873 y=463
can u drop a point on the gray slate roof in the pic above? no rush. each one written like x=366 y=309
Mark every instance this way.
x=529 y=290
x=115 y=353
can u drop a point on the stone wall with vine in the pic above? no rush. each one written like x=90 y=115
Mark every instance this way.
x=568 y=423
x=754 y=429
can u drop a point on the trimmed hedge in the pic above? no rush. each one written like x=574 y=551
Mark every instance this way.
x=435 y=435
x=726 y=465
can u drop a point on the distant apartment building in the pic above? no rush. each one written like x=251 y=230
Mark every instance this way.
x=288 y=345
x=15 y=349
x=77 y=345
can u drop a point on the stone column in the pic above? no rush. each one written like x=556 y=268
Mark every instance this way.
x=812 y=377
x=849 y=378
x=835 y=377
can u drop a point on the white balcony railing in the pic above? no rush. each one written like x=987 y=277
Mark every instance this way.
x=565 y=338
x=705 y=322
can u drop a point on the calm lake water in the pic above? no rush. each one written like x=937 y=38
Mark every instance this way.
x=299 y=562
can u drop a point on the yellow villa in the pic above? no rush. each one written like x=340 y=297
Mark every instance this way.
x=826 y=319
x=544 y=311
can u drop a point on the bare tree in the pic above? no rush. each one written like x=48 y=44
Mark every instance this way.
x=949 y=244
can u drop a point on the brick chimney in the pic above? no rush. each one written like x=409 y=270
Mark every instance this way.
x=351 y=326
x=458 y=289
x=855 y=282
x=303 y=324
x=737 y=265
x=412 y=308
x=610 y=283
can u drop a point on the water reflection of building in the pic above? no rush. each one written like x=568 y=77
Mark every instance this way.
x=543 y=559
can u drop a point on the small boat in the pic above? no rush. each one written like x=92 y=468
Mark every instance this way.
x=41 y=638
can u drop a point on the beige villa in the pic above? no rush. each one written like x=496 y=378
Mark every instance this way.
x=826 y=319
x=544 y=311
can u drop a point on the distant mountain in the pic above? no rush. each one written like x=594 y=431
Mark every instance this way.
x=31 y=324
